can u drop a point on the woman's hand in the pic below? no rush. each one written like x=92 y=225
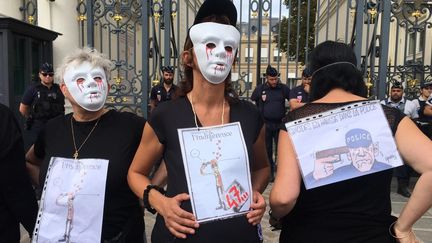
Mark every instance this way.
x=258 y=207
x=405 y=236
x=178 y=221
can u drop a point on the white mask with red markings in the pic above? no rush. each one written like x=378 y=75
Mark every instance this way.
x=215 y=46
x=87 y=85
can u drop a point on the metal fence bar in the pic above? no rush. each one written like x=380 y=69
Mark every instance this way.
x=90 y=24
x=337 y=20
x=145 y=23
x=347 y=19
x=359 y=31
x=307 y=33
x=298 y=33
x=259 y=42
x=385 y=33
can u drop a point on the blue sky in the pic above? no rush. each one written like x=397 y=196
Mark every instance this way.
x=276 y=5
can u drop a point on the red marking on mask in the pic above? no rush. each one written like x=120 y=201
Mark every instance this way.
x=208 y=50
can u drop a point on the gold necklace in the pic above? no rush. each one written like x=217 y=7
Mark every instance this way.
x=75 y=155
x=195 y=115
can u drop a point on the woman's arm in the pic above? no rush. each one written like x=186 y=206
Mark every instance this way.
x=178 y=221
x=416 y=149
x=260 y=178
x=286 y=187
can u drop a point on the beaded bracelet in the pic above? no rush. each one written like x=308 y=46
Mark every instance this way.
x=394 y=235
x=146 y=195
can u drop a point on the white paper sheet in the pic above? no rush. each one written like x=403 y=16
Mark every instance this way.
x=217 y=170
x=71 y=208
x=343 y=143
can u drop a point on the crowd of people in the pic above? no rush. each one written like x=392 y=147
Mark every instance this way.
x=94 y=165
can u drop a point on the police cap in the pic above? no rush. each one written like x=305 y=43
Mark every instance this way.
x=271 y=71
x=426 y=84
x=168 y=69
x=358 y=137
x=397 y=85
x=46 y=68
x=306 y=73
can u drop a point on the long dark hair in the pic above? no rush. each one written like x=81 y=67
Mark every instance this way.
x=341 y=75
x=186 y=84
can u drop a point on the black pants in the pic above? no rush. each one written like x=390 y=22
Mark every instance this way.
x=9 y=226
x=271 y=135
x=403 y=173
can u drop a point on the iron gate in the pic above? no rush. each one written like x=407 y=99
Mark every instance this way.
x=389 y=37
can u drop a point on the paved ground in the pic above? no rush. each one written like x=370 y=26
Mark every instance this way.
x=423 y=228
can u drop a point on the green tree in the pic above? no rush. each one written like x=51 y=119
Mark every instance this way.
x=295 y=36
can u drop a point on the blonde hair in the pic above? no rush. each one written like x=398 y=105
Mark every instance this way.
x=86 y=54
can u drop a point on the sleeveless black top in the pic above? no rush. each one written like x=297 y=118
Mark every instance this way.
x=355 y=210
x=165 y=120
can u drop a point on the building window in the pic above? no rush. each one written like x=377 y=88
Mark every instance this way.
x=277 y=55
x=249 y=54
x=411 y=43
x=277 y=59
x=416 y=42
x=264 y=54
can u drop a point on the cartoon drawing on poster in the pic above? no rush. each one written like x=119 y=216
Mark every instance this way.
x=348 y=146
x=72 y=201
x=213 y=157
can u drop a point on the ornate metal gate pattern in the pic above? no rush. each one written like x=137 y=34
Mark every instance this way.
x=115 y=27
x=384 y=60
x=413 y=18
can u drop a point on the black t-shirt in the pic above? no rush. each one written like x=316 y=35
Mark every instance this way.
x=160 y=94
x=271 y=101
x=229 y=230
x=299 y=94
x=45 y=102
x=116 y=139
x=17 y=199
x=355 y=210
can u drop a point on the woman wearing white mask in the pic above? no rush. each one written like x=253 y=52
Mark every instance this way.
x=83 y=158
x=206 y=99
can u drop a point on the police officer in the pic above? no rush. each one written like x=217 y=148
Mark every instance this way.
x=424 y=121
x=270 y=98
x=299 y=96
x=164 y=91
x=396 y=100
x=41 y=102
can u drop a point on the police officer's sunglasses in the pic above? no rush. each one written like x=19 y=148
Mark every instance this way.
x=47 y=74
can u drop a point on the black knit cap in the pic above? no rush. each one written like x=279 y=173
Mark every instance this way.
x=46 y=68
x=217 y=7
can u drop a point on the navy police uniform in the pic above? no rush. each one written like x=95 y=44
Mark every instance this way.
x=160 y=94
x=300 y=94
x=45 y=103
x=271 y=103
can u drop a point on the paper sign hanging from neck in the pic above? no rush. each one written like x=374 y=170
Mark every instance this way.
x=348 y=145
